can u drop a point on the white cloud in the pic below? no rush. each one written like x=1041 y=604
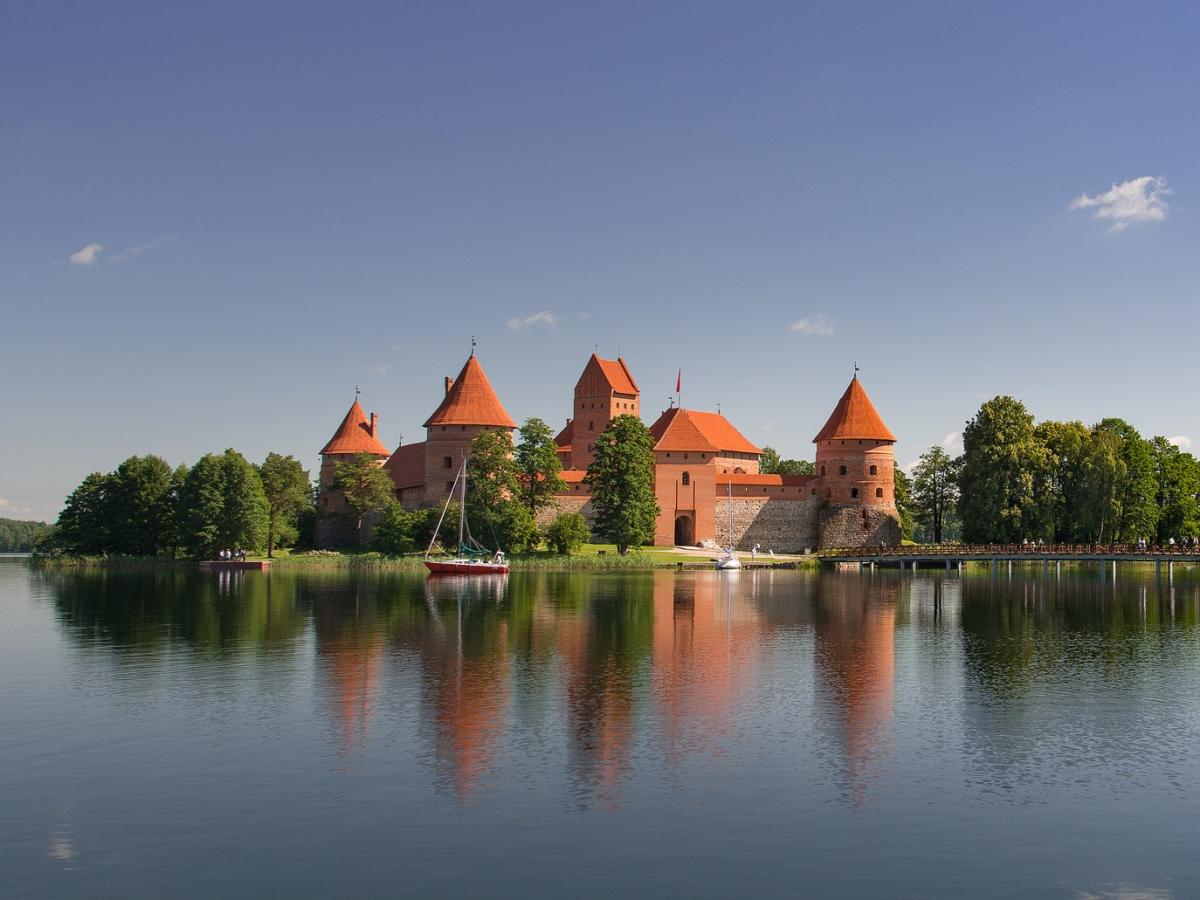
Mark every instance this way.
x=815 y=324
x=10 y=509
x=85 y=256
x=138 y=250
x=1182 y=441
x=1136 y=200
x=545 y=317
x=952 y=443
x=378 y=369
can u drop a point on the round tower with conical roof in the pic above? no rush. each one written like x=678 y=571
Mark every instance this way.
x=356 y=434
x=470 y=405
x=855 y=480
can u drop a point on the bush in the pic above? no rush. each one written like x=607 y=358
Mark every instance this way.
x=568 y=533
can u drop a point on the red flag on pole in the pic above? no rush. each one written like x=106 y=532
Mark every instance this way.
x=678 y=381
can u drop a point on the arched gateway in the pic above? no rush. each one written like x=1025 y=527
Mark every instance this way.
x=685 y=531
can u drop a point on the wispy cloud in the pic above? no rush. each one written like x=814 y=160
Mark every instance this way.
x=87 y=255
x=137 y=250
x=378 y=369
x=1182 y=441
x=1137 y=200
x=952 y=443
x=545 y=317
x=816 y=323
x=8 y=508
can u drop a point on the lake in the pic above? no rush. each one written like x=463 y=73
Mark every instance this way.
x=693 y=734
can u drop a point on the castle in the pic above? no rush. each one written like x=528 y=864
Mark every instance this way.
x=702 y=466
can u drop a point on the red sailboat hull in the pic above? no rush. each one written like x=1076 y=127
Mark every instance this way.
x=464 y=567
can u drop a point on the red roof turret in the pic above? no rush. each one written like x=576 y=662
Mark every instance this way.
x=471 y=400
x=356 y=435
x=855 y=417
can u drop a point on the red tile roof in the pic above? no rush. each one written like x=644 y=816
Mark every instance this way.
x=775 y=480
x=617 y=374
x=407 y=465
x=572 y=476
x=355 y=435
x=471 y=400
x=855 y=417
x=685 y=429
x=562 y=440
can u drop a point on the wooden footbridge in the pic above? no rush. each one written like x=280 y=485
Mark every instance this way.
x=954 y=556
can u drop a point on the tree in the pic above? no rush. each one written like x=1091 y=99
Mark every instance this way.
x=17 y=536
x=567 y=533
x=538 y=466
x=222 y=505
x=1001 y=461
x=495 y=508
x=286 y=485
x=1058 y=485
x=366 y=486
x=769 y=463
x=934 y=491
x=1177 y=490
x=1136 y=513
x=139 y=507
x=82 y=525
x=902 y=492
x=621 y=481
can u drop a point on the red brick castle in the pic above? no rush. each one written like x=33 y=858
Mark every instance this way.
x=700 y=459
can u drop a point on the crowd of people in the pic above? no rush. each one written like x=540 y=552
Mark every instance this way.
x=228 y=555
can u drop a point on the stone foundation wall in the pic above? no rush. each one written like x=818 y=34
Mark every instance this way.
x=565 y=503
x=785 y=526
x=858 y=526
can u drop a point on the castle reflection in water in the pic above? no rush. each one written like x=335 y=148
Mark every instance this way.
x=598 y=685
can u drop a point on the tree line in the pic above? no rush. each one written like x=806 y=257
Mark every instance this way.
x=147 y=508
x=510 y=485
x=19 y=536
x=1059 y=482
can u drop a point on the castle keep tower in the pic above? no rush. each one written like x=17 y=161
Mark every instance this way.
x=605 y=390
x=856 y=474
x=356 y=434
x=469 y=407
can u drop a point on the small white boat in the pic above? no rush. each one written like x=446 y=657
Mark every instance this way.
x=728 y=560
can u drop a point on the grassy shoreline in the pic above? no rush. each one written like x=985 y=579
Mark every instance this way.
x=591 y=558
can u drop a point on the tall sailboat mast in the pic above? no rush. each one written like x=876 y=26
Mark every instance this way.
x=462 y=506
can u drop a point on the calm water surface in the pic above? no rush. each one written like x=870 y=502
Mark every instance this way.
x=771 y=734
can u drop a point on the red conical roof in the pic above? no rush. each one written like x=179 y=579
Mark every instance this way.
x=471 y=400
x=355 y=435
x=855 y=417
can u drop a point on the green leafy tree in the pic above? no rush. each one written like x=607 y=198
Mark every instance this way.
x=1102 y=478
x=934 y=491
x=495 y=510
x=621 y=481
x=139 y=507
x=538 y=466
x=567 y=533
x=222 y=505
x=82 y=526
x=394 y=532
x=287 y=488
x=1136 y=513
x=1058 y=485
x=1177 y=491
x=366 y=486
x=902 y=492
x=18 y=536
x=1001 y=462
x=769 y=463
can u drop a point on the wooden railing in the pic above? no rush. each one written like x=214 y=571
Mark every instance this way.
x=985 y=551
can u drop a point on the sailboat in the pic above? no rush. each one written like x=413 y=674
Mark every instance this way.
x=471 y=557
x=728 y=560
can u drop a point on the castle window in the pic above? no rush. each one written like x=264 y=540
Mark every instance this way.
x=740 y=471
x=814 y=492
x=591 y=426
x=822 y=471
x=447 y=462
x=828 y=493
x=874 y=470
x=853 y=492
x=878 y=492
x=686 y=479
x=841 y=470
x=462 y=427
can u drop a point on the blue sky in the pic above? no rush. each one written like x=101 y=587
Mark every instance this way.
x=268 y=205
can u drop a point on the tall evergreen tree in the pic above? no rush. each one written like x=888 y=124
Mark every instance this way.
x=621 y=481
